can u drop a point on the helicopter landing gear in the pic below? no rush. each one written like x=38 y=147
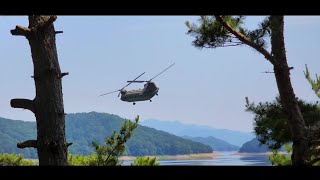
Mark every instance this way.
x=150 y=100
x=134 y=103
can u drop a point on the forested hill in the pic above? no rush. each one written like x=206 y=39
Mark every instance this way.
x=215 y=143
x=83 y=128
x=253 y=146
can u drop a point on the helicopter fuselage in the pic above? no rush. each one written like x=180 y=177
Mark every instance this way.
x=149 y=90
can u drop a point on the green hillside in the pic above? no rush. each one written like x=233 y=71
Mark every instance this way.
x=215 y=143
x=83 y=128
x=253 y=146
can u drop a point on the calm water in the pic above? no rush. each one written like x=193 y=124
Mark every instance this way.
x=225 y=159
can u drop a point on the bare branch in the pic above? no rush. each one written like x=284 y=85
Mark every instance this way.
x=245 y=40
x=23 y=103
x=20 y=31
x=28 y=144
x=58 y=32
x=64 y=74
x=69 y=144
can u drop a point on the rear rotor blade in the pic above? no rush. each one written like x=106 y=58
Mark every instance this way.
x=162 y=71
x=109 y=92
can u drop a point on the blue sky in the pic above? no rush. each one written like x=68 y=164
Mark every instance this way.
x=206 y=87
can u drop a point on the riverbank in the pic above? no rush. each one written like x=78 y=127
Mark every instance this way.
x=177 y=157
x=257 y=154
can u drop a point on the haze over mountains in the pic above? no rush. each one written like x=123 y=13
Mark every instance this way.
x=180 y=129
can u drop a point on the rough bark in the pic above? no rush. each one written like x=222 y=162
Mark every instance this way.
x=48 y=104
x=288 y=99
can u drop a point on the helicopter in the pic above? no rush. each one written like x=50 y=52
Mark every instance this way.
x=149 y=91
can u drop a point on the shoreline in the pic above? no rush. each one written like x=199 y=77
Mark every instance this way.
x=176 y=157
x=256 y=153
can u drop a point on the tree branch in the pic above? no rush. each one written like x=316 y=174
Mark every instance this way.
x=310 y=163
x=28 y=144
x=23 y=103
x=20 y=31
x=64 y=74
x=69 y=144
x=58 y=32
x=245 y=40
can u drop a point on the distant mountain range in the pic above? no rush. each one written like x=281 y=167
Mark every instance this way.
x=83 y=128
x=180 y=129
x=216 y=144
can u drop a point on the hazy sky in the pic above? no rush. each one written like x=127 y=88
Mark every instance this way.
x=205 y=87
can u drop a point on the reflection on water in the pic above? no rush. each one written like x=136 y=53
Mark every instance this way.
x=224 y=159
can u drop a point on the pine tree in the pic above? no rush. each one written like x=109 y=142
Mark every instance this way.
x=315 y=83
x=109 y=154
x=223 y=31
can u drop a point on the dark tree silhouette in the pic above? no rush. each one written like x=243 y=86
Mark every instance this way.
x=222 y=31
x=47 y=105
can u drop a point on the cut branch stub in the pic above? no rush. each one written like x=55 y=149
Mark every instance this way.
x=21 y=31
x=23 y=103
x=58 y=32
x=28 y=144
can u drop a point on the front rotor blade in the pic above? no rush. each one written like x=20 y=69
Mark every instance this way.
x=132 y=81
x=162 y=71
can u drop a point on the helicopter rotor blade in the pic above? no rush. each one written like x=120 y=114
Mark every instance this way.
x=132 y=81
x=109 y=92
x=137 y=81
x=123 y=87
x=161 y=72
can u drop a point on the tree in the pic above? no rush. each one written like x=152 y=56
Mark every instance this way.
x=115 y=145
x=145 y=161
x=270 y=126
x=223 y=31
x=47 y=105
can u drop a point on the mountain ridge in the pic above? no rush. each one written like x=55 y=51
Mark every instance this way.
x=181 y=129
x=83 y=128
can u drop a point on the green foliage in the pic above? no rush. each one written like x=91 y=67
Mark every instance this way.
x=278 y=159
x=270 y=122
x=80 y=160
x=211 y=34
x=145 y=161
x=115 y=145
x=14 y=160
x=315 y=83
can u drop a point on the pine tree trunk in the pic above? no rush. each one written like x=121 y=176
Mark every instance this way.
x=48 y=103
x=289 y=102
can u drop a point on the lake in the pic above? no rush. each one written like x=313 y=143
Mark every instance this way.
x=224 y=159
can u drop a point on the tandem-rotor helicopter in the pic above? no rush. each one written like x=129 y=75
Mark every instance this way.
x=150 y=89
